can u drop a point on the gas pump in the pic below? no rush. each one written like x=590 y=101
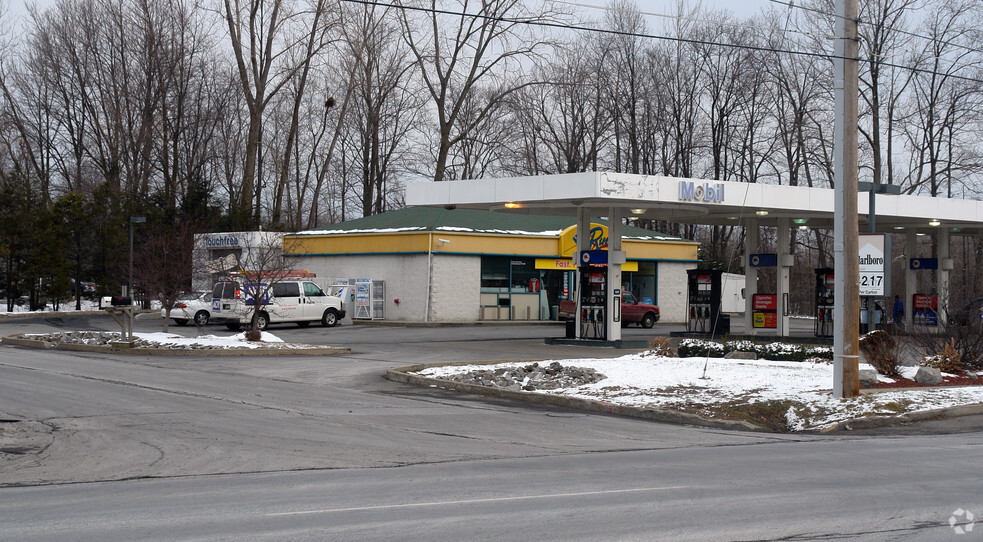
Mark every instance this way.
x=593 y=295
x=824 y=302
x=704 y=302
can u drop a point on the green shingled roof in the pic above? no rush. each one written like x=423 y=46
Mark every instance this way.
x=437 y=219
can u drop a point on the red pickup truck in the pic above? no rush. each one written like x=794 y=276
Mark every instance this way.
x=643 y=314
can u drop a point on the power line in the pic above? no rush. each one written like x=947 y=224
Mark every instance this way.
x=564 y=26
x=682 y=18
x=791 y=4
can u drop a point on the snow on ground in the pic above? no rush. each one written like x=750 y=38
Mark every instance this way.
x=65 y=306
x=707 y=386
x=168 y=340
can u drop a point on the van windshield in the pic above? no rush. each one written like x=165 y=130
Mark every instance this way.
x=312 y=290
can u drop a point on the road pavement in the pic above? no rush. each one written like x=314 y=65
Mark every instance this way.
x=323 y=448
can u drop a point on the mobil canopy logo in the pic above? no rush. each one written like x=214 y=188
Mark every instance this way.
x=705 y=192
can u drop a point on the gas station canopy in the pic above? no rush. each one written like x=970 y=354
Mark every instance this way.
x=694 y=201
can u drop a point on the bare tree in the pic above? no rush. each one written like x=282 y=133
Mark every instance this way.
x=942 y=102
x=385 y=107
x=272 y=41
x=458 y=45
x=165 y=268
x=884 y=33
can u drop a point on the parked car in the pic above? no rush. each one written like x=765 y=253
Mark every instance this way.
x=971 y=312
x=632 y=311
x=195 y=307
x=294 y=300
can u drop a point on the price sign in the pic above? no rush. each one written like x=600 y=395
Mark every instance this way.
x=872 y=265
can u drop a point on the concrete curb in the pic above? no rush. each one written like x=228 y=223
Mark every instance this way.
x=871 y=422
x=475 y=323
x=403 y=375
x=14 y=340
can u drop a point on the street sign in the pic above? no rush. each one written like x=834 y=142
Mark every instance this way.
x=871 y=264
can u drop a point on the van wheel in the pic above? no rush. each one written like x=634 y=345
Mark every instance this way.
x=201 y=318
x=234 y=326
x=262 y=321
x=330 y=318
x=648 y=320
x=304 y=323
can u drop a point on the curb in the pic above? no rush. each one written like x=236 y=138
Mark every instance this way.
x=475 y=323
x=403 y=375
x=14 y=340
x=910 y=417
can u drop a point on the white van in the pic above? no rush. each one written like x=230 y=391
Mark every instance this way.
x=292 y=300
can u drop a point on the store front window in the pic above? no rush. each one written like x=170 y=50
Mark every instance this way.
x=644 y=282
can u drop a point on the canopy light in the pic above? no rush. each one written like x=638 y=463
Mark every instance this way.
x=954 y=229
x=762 y=212
x=637 y=211
x=803 y=227
x=934 y=222
x=731 y=218
x=899 y=227
x=800 y=220
x=511 y=205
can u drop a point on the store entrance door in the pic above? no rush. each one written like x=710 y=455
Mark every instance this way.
x=556 y=282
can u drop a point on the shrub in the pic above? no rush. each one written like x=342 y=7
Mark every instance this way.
x=692 y=348
x=661 y=346
x=776 y=351
x=879 y=347
x=947 y=360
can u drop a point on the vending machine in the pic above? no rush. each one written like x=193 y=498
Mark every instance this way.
x=593 y=295
x=824 y=302
x=703 y=303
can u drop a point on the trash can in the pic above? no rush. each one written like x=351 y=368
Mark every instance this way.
x=571 y=329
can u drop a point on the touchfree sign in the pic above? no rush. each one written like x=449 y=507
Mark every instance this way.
x=693 y=191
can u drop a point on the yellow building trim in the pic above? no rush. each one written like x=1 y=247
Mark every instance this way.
x=470 y=243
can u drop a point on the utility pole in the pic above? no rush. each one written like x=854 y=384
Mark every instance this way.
x=846 y=268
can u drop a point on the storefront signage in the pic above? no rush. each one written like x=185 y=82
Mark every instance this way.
x=567 y=264
x=701 y=192
x=598 y=239
x=221 y=242
x=764 y=311
x=871 y=264
x=763 y=260
x=924 y=263
x=765 y=320
x=593 y=257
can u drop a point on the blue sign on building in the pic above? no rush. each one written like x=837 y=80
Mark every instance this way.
x=594 y=257
x=763 y=260
x=924 y=263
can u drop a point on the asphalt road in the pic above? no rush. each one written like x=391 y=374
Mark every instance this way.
x=324 y=448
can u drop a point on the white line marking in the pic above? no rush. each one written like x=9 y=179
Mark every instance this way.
x=472 y=501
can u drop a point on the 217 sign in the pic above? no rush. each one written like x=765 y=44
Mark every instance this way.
x=871 y=284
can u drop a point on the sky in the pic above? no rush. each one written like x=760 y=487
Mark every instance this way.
x=742 y=8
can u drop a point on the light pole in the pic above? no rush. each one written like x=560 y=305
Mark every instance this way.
x=129 y=285
x=133 y=220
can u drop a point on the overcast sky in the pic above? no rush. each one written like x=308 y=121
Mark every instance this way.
x=743 y=8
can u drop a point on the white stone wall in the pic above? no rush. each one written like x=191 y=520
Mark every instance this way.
x=456 y=282
x=672 y=291
x=456 y=288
